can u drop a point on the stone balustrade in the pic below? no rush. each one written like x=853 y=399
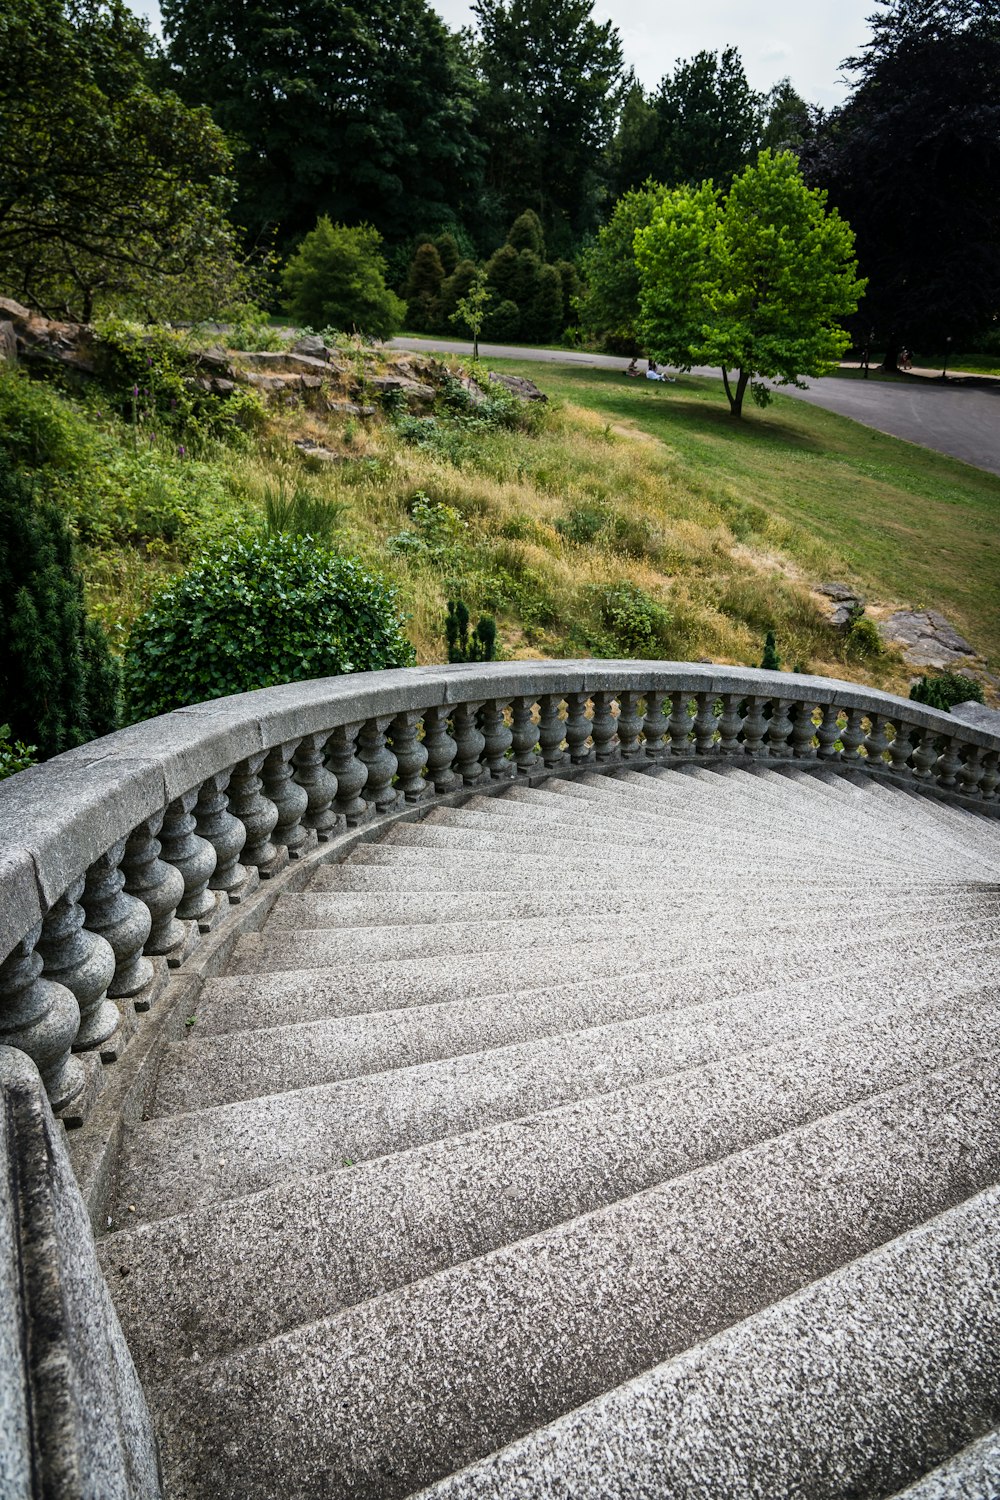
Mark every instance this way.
x=118 y=858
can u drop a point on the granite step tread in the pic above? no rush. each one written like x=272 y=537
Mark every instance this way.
x=246 y=1002
x=306 y=1249
x=557 y=1317
x=668 y=933
x=204 y=1071
x=972 y=1474
x=855 y=1385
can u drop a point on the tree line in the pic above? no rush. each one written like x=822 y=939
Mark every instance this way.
x=126 y=164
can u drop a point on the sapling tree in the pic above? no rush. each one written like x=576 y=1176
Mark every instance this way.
x=756 y=282
x=472 y=310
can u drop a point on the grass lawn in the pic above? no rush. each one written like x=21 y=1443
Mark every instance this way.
x=911 y=526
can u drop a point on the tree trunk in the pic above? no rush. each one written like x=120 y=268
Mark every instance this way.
x=735 y=398
x=891 y=362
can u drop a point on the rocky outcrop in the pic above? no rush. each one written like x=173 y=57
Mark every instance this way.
x=44 y=341
x=519 y=386
x=927 y=639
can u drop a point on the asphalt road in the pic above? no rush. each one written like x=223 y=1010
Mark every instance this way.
x=958 y=417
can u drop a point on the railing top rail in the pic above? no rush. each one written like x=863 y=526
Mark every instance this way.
x=57 y=818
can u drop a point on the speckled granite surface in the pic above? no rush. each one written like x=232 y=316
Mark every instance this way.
x=622 y=1137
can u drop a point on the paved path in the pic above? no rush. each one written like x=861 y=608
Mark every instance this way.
x=954 y=417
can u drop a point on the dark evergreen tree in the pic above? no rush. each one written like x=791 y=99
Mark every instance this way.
x=465 y=645
x=422 y=292
x=634 y=153
x=59 y=684
x=542 y=319
x=364 y=115
x=458 y=285
x=912 y=160
x=526 y=233
x=571 y=285
x=789 y=120
x=771 y=661
x=551 y=79
x=448 y=249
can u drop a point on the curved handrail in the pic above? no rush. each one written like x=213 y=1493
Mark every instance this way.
x=116 y=855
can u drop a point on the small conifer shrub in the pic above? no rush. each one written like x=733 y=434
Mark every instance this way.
x=771 y=661
x=59 y=684
x=464 y=645
x=946 y=689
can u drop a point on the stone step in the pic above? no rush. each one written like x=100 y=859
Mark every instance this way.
x=973 y=1474
x=851 y=1387
x=245 y=1002
x=321 y=907
x=397 y=1391
x=301 y=1251
x=173 y=1162
x=202 y=1071
x=665 y=934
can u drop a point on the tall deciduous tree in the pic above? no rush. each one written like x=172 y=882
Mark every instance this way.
x=551 y=91
x=913 y=159
x=710 y=119
x=109 y=190
x=609 y=309
x=755 y=282
x=361 y=113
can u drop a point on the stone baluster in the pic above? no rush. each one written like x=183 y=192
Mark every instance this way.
x=900 y=749
x=852 y=736
x=381 y=764
x=877 y=741
x=441 y=750
x=351 y=773
x=656 y=726
x=629 y=726
x=525 y=737
x=551 y=730
x=195 y=858
x=990 y=775
x=576 y=729
x=291 y=800
x=779 y=728
x=729 y=725
x=42 y=1018
x=227 y=835
x=680 y=724
x=924 y=754
x=497 y=738
x=604 y=729
x=947 y=764
x=755 y=728
x=971 y=770
x=124 y=923
x=319 y=785
x=828 y=733
x=258 y=815
x=803 y=731
x=411 y=756
x=705 y=723
x=469 y=742
x=85 y=964
x=160 y=888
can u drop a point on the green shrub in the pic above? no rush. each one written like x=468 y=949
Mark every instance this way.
x=946 y=689
x=639 y=626
x=58 y=682
x=863 y=639
x=336 y=279
x=38 y=426
x=257 y=611
x=14 y=754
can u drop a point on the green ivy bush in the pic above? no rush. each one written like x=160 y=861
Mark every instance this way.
x=15 y=755
x=635 y=624
x=256 y=611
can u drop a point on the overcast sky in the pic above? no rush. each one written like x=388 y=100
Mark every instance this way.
x=805 y=40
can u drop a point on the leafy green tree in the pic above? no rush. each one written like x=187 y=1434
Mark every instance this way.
x=913 y=160
x=364 y=114
x=789 y=120
x=551 y=82
x=111 y=192
x=755 y=282
x=422 y=292
x=336 y=279
x=473 y=306
x=59 y=684
x=710 y=120
x=609 y=307
x=259 y=611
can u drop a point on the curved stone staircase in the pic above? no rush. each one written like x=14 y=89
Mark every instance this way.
x=629 y=1136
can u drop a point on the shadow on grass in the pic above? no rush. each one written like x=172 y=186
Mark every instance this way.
x=701 y=415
